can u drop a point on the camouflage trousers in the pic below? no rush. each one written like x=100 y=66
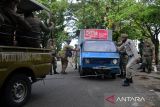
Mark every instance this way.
x=64 y=62
x=147 y=63
x=54 y=66
x=123 y=63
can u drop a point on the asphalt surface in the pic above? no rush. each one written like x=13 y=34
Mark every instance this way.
x=72 y=91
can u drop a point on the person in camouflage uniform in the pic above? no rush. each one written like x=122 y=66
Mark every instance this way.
x=75 y=55
x=123 y=60
x=11 y=21
x=37 y=27
x=50 y=45
x=148 y=55
x=140 y=46
x=8 y=11
x=64 y=58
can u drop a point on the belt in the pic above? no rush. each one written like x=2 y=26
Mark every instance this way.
x=131 y=55
x=147 y=55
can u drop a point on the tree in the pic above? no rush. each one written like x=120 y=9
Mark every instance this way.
x=151 y=22
x=90 y=13
x=139 y=18
x=57 y=8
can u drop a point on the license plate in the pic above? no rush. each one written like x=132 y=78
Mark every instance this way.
x=100 y=68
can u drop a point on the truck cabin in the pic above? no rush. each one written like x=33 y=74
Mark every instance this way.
x=14 y=29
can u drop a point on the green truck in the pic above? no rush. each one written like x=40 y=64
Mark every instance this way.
x=21 y=66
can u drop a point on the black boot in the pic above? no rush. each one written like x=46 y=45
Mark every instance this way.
x=56 y=73
x=130 y=80
x=143 y=70
x=75 y=67
x=126 y=82
x=50 y=72
x=149 y=70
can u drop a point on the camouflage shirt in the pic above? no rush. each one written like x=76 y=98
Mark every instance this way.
x=148 y=49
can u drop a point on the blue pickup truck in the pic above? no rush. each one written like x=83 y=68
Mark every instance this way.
x=98 y=56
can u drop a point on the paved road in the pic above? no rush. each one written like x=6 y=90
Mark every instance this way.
x=71 y=91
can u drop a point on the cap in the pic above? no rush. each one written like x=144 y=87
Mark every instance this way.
x=148 y=40
x=124 y=36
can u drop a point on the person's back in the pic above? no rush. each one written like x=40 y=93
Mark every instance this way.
x=148 y=55
x=147 y=49
x=68 y=50
x=35 y=23
x=37 y=27
x=10 y=21
x=9 y=9
x=64 y=56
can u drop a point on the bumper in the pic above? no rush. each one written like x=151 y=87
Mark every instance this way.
x=103 y=70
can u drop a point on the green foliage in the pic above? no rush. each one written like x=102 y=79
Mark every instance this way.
x=137 y=18
x=57 y=8
x=90 y=14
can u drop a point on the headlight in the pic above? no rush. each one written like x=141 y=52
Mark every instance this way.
x=87 y=61
x=115 y=61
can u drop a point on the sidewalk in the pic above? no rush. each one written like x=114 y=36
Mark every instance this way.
x=148 y=80
x=152 y=74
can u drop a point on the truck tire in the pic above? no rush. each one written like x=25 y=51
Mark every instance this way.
x=81 y=72
x=17 y=90
x=113 y=76
x=79 y=69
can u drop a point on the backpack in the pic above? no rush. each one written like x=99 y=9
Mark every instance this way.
x=68 y=53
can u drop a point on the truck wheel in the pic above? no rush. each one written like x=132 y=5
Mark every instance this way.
x=17 y=90
x=113 y=76
x=81 y=72
x=79 y=69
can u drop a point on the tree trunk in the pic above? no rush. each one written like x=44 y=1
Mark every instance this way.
x=156 y=50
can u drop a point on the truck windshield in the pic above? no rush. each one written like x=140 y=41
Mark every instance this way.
x=99 y=46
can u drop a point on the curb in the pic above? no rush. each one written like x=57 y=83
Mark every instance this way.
x=153 y=75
